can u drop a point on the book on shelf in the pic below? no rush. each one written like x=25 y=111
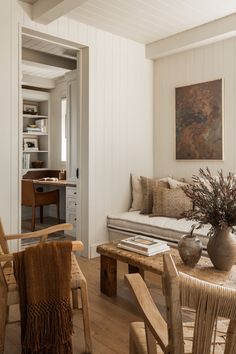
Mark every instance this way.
x=30 y=129
x=29 y=149
x=25 y=161
x=42 y=124
x=144 y=253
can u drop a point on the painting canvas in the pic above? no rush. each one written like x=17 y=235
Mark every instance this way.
x=199 y=121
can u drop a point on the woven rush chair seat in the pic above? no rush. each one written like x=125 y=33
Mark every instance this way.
x=137 y=332
x=77 y=278
x=212 y=308
x=12 y=293
x=9 y=294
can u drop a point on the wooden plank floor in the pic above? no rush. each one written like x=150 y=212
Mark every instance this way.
x=110 y=317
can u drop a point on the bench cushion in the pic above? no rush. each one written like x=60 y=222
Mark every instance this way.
x=164 y=228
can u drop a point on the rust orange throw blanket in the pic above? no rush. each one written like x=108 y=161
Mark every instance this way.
x=43 y=274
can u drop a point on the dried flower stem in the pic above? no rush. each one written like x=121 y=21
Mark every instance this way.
x=214 y=199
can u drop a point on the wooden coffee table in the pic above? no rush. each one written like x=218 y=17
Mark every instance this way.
x=110 y=254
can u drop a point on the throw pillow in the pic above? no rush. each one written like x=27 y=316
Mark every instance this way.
x=157 y=200
x=174 y=183
x=136 y=193
x=148 y=185
x=157 y=209
x=175 y=203
x=170 y=202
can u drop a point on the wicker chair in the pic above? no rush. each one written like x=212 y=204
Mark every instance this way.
x=8 y=287
x=209 y=304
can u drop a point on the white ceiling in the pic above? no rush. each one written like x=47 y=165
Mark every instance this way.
x=150 y=20
x=144 y=21
x=37 y=70
x=47 y=47
x=43 y=71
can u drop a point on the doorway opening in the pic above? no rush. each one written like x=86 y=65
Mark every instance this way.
x=50 y=144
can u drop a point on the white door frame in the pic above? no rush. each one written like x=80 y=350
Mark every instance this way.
x=83 y=124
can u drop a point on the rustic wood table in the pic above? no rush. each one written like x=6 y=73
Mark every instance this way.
x=110 y=254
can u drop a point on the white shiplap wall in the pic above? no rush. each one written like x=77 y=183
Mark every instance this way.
x=120 y=115
x=197 y=65
x=9 y=182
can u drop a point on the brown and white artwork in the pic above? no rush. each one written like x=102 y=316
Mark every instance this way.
x=199 y=126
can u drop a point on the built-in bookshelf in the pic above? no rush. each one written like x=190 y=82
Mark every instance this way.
x=35 y=134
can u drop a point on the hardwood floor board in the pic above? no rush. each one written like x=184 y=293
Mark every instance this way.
x=110 y=317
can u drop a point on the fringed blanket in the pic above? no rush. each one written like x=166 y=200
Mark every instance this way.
x=43 y=275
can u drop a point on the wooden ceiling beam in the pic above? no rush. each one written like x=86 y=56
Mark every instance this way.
x=46 y=11
x=48 y=59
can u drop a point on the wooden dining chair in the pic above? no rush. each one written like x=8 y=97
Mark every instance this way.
x=209 y=303
x=9 y=294
x=34 y=197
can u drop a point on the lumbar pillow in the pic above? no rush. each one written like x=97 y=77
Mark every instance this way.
x=136 y=193
x=170 y=202
x=148 y=185
x=174 y=183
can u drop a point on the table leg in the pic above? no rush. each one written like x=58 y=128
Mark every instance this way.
x=108 y=275
x=133 y=269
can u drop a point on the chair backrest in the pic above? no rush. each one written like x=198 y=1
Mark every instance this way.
x=27 y=192
x=3 y=241
x=209 y=302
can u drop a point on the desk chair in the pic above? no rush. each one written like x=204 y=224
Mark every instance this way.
x=35 y=198
x=206 y=335
x=9 y=291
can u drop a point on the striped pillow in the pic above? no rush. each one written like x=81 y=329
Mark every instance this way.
x=148 y=185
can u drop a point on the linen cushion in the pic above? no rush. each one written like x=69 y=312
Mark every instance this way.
x=170 y=202
x=148 y=185
x=123 y=225
x=174 y=183
x=136 y=193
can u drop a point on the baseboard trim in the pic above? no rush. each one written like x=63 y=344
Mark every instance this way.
x=93 y=253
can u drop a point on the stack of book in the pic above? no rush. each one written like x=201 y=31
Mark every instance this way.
x=26 y=161
x=42 y=124
x=33 y=129
x=147 y=246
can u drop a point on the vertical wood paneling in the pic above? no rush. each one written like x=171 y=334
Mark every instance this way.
x=120 y=117
x=198 y=65
x=9 y=162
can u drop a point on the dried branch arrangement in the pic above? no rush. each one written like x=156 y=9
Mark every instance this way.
x=214 y=199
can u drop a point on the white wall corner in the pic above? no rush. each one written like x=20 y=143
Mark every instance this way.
x=93 y=249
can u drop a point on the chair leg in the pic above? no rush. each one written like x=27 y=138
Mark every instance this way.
x=75 y=302
x=58 y=213
x=132 y=346
x=41 y=214
x=3 y=319
x=85 y=310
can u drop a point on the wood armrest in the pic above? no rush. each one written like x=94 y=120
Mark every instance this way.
x=40 y=233
x=150 y=313
x=76 y=246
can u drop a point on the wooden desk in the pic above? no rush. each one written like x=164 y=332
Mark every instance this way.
x=110 y=254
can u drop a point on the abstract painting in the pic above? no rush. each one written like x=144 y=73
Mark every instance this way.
x=199 y=126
